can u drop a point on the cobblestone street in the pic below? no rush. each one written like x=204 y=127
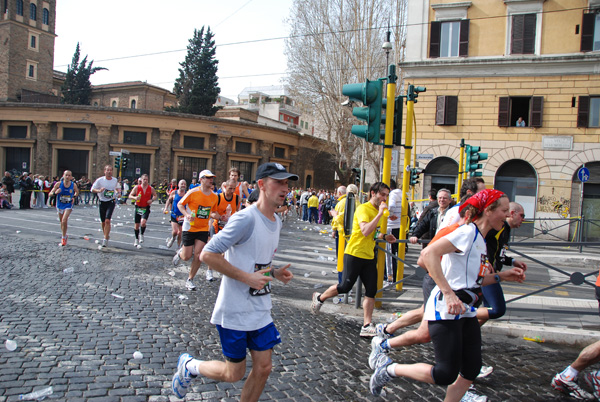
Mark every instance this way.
x=77 y=331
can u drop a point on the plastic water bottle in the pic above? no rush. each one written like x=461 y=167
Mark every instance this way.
x=69 y=270
x=36 y=395
x=10 y=345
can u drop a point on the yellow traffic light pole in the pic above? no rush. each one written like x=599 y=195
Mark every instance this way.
x=461 y=165
x=387 y=164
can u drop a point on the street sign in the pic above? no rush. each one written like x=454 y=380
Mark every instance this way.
x=114 y=153
x=138 y=170
x=583 y=174
x=395 y=157
x=425 y=157
x=124 y=151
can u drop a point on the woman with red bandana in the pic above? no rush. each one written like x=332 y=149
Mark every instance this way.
x=458 y=265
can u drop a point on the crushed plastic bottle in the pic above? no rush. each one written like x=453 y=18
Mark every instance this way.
x=338 y=299
x=306 y=275
x=36 y=395
x=117 y=296
x=86 y=262
x=172 y=273
x=330 y=258
x=321 y=258
x=318 y=285
x=138 y=355
x=324 y=273
x=18 y=231
x=85 y=238
x=69 y=270
x=10 y=345
x=183 y=297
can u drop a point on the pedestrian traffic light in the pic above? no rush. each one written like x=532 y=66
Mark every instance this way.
x=125 y=160
x=473 y=156
x=414 y=176
x=370 y=94
x=398 y=110
x=117 y=162
x=357 y=173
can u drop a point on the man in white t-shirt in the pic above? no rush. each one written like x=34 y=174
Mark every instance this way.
x=108 y=190
x=242 y=311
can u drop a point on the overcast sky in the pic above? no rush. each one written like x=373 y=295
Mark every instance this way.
x=111 y=29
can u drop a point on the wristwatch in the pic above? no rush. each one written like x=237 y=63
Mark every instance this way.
x=497 y=278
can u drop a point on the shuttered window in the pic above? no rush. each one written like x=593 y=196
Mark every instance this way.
x=531 y=109
x=523 y=34
x=588 y=111
x=446 y=110
x=449 y=39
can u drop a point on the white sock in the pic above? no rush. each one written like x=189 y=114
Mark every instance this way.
x=194 y=366
x=391 y=369
x=569 y=374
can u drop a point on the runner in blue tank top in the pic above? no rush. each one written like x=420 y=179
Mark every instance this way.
x=65 y=190
x=176 y=214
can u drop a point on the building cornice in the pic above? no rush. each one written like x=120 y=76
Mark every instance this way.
x=503 y=66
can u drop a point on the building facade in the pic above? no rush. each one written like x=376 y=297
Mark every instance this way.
x=490 y=64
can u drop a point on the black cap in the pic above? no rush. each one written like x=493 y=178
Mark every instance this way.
x=274 y=171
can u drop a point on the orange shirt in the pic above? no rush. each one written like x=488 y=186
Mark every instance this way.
x=444 y=231
x=201 y=206
x=222 y=208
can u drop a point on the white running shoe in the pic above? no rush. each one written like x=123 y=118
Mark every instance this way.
x=104 y=242
x=485 y=371
x=209 y=275
x=141 y=238
x=315 y=305
x=471 y=396
x=368 y=331
x=137 y=244
x=190 y=285
x=170 y=241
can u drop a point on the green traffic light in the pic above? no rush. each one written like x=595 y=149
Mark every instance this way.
x=370 y=94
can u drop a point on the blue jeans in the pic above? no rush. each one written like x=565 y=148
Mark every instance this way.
x=313 y=215
x=304 y=212
x=86 y=196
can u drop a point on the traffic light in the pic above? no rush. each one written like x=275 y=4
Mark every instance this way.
x=117 y=162
x=473 y=156
x=398 y=111
x=125 y=160
x=357 y=173
x=414 y=176
x=413 y=92
x=369 y=93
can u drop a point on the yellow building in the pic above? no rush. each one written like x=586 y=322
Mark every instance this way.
x=487 y=63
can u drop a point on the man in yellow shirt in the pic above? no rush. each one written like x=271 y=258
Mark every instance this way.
x=313 y=208
x=359 y=257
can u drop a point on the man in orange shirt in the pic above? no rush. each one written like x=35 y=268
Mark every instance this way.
x=227 y=204
x=197 y=207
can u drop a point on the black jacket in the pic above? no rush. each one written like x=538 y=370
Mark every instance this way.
x=496 y=241
x=427 y=226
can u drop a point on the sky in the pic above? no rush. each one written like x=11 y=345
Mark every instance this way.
x=110 y=32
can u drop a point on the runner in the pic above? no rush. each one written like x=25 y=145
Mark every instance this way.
x=143 y=194
x=242 y=311
x=65 y=192
x=241 y=188
x=197 y=206
x=176 y=216
x=107 y=189
x=226 y=205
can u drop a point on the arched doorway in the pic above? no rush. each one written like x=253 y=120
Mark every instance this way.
x=590 y=208
x=518 y=179
x=440 y=173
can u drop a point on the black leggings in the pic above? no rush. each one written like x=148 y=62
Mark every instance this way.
x=457 y=346
x=355 y=267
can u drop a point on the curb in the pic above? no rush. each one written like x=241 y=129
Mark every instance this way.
x=560 y=335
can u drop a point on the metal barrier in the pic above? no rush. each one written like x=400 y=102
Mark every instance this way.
x=576 y=278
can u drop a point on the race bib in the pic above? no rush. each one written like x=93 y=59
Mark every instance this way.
x=65 y=199
x=484 y=268
x=109 y=193
x=267 y=288
x=180 y=218
x=203 y=212
x=140 y=211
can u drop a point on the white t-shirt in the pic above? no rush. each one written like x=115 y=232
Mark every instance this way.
x=111 y=188
x=451 y=217
x=395 y=208
x=461 y=270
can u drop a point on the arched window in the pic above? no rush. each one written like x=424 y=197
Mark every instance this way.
x=20 y=7
x=114 y=103
x=32 y=12
x=46 y=16
x=133 y=103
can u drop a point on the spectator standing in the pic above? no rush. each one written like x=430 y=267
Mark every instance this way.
x=26 y=186
x=9 y=182
x=313 y=208
x=393 y=227
x=304 y=204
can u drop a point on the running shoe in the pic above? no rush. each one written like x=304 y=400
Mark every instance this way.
x=176 y=258
x=63 y=241
x=104 y=242
x=485 y=371
x=209 y=275
x=593 y=382
x=315 y=305
x=190 y=285
x=182 y=377
x=471 y=396
x=570 y=388
x=376 y=351
x=136 y=243
x=380 y=331
x=368 y=331
x=170 y=241
x=380 y=377
x=141 y=238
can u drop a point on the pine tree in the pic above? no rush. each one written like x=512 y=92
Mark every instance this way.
x=197 y=86
x=77 y=88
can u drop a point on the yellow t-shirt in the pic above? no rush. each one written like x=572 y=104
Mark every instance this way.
x=313 y=201
x=359 y=245
x=337 y=223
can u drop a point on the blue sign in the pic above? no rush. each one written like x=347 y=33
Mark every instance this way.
x=583 y=174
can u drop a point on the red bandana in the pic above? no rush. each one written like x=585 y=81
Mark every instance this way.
x=482 y=200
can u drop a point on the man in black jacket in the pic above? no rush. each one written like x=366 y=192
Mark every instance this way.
x=9 y=182
x=26 y=185
x=427 y=227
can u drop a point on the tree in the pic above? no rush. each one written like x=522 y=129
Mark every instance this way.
x=77 y=88
x=197 y=87
x=337 y=42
